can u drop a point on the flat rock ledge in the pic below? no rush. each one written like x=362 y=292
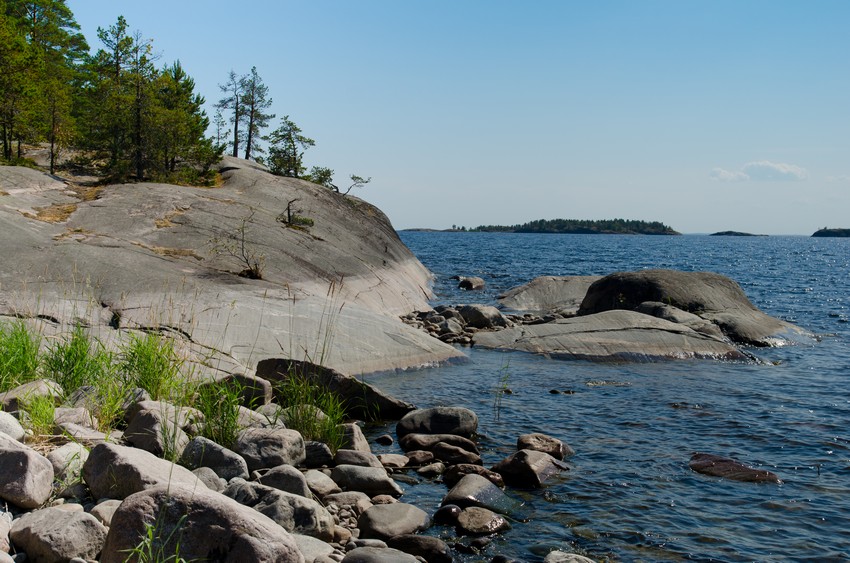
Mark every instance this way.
x=645 y=316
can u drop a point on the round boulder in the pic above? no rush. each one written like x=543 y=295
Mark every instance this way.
x=439 y=420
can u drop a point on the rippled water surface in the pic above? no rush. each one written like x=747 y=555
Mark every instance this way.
x=629 y=495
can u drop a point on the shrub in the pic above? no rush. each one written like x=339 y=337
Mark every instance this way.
x=77 y=361
x=301 y=397
x=19 y=359
x=219 y=402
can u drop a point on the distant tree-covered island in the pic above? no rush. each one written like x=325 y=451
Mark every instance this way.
x=825 y=232
x=583 y=226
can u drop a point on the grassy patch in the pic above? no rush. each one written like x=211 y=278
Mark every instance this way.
x=77 y=360
x=150 y=362
x=219 y=403
x=58 y=213
x=19 y=357
x=301 y=397
x=40 y=412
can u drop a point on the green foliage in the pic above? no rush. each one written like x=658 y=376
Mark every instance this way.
x=158 y=547
x=219 y=403
x=301 y=398
x=322 y=176
x=286 y=149
x=151 y=362
x=40 y=412
x=19 y=355
x=574 y=226
x=76 y=361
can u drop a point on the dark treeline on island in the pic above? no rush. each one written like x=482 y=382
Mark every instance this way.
x=576 y=226
x=842 y=233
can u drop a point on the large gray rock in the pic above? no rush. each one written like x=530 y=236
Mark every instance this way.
x=56 y=534
x=354 y=457
x=482 y=316
x=10 y=426
x=361 y=399
x=354 y=439
x=426 y=442
x=564 y=557
x=384 y=521
x=297 y=514
x=114 y=471
x=370 y=480
x=67 y=461
x=269 y=447
x=313 y=549
x=241 y=533
x=544 y=443
x=439 y=420
x=548 y=294
x=286 y=478
x=710 y=296
x=146 y=248
x=320 y=484
x=26 y=476
x=481 y=521
x=203 y=452
x=154 y=431
x=528 y=468
x=378 y=555
x=475 y=490
x=11 y=399
x=431 y=549
x=612 y=336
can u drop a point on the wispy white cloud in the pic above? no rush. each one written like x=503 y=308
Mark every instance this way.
x=722 y=175
x=761 y=171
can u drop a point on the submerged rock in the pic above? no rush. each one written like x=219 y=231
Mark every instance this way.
x=458 y=421
x=728 y=468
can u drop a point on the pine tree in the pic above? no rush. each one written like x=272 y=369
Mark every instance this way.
x=255 y=102
x=286 y=149
x=233 y=90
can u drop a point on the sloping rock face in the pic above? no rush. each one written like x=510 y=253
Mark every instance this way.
x=710 y=296
x=547 y=294
x=612 y=336
x=157 y=255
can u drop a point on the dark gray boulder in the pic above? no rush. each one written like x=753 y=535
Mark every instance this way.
x=58 y=534
x=354 y=457
x=439 y=420
x=378 y=555
x=203 y=452
x=482 y=316
x=26 y=476
x=370 y=480
x=454 y=454
x=295 y=513
x=528 y=468
x=269 y=447
x=286 y=478
x=426 y=442
x=431 y=549
x=711 y=296
x=456 y=472
x=470 y=283
x=480 y=521
x=384 y=521
x=544 y=443
x=475 y=490
x=241 y=533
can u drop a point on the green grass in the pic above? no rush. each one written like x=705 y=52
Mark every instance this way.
x=157 y=547
x=219 y=403
x=19 y=355
x=40 y=412
x=77 y=360
x=150 y=362
x=301 y=397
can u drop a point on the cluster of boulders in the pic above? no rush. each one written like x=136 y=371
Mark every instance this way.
x=648 y=315
x=268 y=496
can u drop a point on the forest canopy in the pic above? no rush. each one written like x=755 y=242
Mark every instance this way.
x=576 y=226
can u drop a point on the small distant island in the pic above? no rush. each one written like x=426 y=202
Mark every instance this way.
x=589 y=227
x=843 y=233
x=734 y=234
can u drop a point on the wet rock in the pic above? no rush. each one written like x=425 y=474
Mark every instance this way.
x=241 y=533
x=447 y=515
x=458 y=421
x=482 y=316
x=384 y=521
x=393 y=461
x=475 y=490
x=431 y=549
x=528 y=468
x=57 y=534
x=718 y=466
x=285 y=478
x=354 y=457
x=470 y=283
x=378 y=555
x=543 y=443
x=26 y=476
x=270 y=447
x=563 y=557
x=454 y=454
x=454 y=474
x=419 y=457
x=203 y=452
x=384 y=440
x=427 y=442
x=369 y=480
x=295 y=513
x=114 y=471
x=481 y=521
x=432 y=470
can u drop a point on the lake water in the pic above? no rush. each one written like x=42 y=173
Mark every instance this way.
x=630 y=495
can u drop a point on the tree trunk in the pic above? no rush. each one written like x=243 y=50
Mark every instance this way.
x=52 y=136
x=236 y=126
x=250 y=133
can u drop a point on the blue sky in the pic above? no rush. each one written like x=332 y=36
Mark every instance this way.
x=706 y=115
